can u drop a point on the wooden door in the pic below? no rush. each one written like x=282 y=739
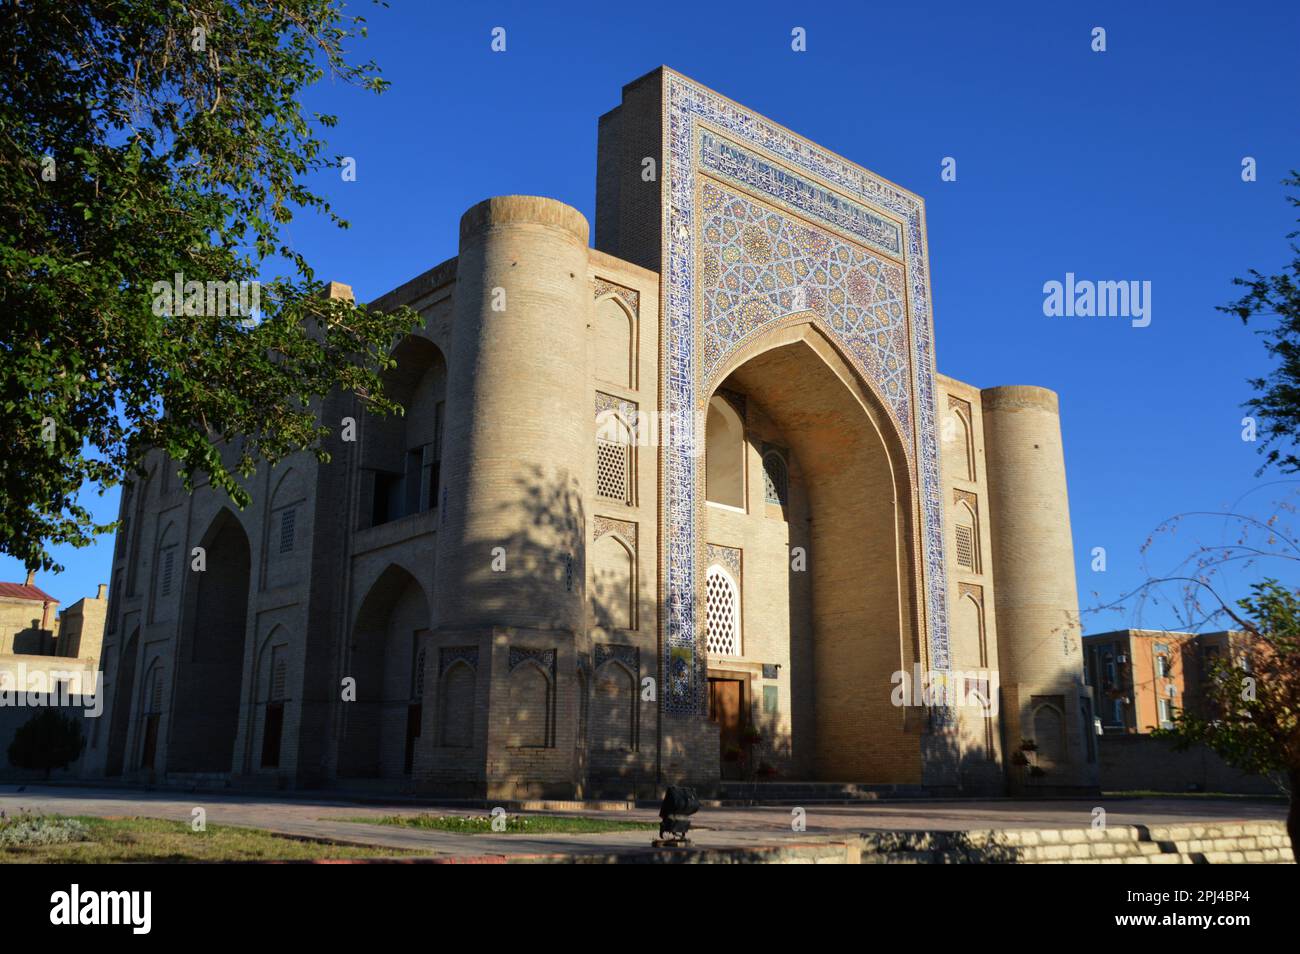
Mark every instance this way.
x=727 y=709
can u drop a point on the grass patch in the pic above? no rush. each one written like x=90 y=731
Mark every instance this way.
x=515 y=824
x=25 y=830
x=106 y=840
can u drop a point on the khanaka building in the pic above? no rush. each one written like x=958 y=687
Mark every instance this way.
x=678 y=506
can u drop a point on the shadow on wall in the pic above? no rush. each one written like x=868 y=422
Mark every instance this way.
x=961 y=764
x=34 y=641
x=527 y=574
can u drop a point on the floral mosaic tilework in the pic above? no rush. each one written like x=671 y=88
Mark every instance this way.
x=630 y=296
x=798 y=180
x=756 y=265
x=728 y=557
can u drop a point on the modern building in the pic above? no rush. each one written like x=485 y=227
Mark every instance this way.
x=1142 y=678
x=686 y=505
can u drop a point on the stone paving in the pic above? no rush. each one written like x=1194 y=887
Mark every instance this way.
x=327 y=817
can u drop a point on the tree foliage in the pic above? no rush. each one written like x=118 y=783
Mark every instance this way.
x=139 y=140
x=1252 y=720
x=1274 y=302
x=48 y=740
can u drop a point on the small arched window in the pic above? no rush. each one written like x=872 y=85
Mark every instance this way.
x=614 y=460
x=966 y=542
x=722 y=611
x=776 y=478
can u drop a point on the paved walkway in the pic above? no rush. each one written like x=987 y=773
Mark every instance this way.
x=327 y=818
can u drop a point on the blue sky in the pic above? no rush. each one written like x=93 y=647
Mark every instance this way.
x=1123 y=165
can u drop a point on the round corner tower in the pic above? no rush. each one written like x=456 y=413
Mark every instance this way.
x=1039 y=654
x=512 y=522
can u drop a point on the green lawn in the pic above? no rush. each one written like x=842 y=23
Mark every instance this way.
x=155 y=840
x=515 y=824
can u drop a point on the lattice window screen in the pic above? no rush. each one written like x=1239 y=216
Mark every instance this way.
x=156 y=692
x=966 y=547
x=287 y=520
x=168 y=568
x=722 y=608
x=775 y=478
x=613 y=471
x=278 y=676
x=417 y=688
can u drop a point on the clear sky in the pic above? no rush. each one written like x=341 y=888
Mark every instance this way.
x=1122 y=165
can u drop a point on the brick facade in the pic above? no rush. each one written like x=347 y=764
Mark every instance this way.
x=471 y=599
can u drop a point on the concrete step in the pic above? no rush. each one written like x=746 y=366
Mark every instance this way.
x=1242 y=843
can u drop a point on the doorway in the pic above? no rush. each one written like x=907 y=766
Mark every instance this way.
x=727 y=709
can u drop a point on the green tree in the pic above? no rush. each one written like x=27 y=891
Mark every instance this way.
x=46 y=741
x=1274 y=302
x=141 y=140
x=1253 y=718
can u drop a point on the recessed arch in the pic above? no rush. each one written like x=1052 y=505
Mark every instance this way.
x=969 y=649
x=269 y=699
x=121 y=696
x=210 y=652
x=614 y=722
x=966 y=537
x=140 y=496
x=961 y=449
x=803 y=329
x=150 y=706
x=168 y=567
x=390 y=626
x=615 y=457
x=724 y=456
x=612 y=600
x=401 y=454
x=1048 y=721
x=615 y=342
x=863 y=566
x=457 y=689
x=532 y=707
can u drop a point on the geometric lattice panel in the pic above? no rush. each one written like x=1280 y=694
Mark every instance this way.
x=965 y=547
x=612 y=470
x=775 y=478
x=758 y=266
x=722 y=612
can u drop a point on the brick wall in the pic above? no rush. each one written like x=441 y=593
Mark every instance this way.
x=1141 y=763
